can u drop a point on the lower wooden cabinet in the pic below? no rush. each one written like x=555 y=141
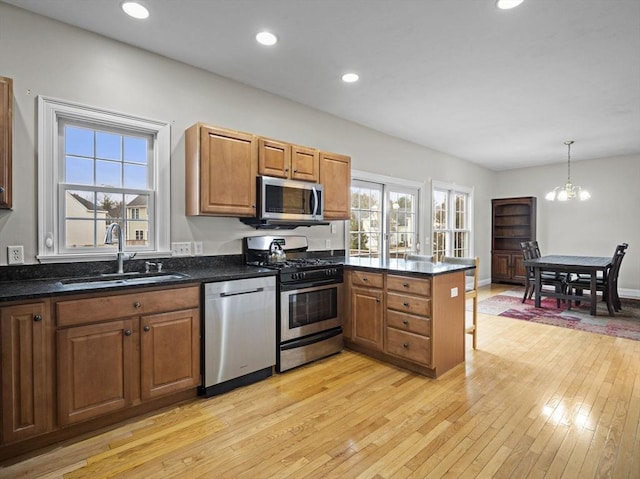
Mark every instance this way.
x=416 y=322
x=110 y=365
x=27 y=370
x=508 y=267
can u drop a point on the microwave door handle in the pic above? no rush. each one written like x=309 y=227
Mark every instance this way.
x=315 y=201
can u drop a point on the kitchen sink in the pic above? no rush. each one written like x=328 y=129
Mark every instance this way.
x=116 y=279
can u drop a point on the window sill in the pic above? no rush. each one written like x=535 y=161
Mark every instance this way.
x=83 y=258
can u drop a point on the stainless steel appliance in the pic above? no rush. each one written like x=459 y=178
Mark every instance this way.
x=309 y=321
x=280 y=199
x=239 y=333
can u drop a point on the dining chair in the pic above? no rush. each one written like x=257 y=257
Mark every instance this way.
x=607 y=284
x=418 y=257
x=471 y=290
x=531 y=250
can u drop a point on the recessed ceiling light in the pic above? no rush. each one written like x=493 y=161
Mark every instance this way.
x=508 y=4
x=135 y=10
x=350 y=77
x=266 y=38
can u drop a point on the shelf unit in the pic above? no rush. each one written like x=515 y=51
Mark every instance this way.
x=513 y=221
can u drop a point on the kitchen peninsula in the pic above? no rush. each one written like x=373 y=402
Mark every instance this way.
x=408 y=313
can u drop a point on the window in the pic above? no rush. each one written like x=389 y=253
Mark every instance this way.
x=384 y=216
x=452 y=220
x=96 y=168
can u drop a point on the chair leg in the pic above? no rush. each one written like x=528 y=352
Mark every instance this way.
x=475 y=321
x=526 y=291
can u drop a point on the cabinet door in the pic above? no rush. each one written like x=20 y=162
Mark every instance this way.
x=335 y=177
x=228 y=169
x=6 y=136
x=305 y=163
x=170 y=353
x=274 y=158
x=519 y=269
x=501 y=267
x=366 y=317
x=27 y=373
x=94 y=370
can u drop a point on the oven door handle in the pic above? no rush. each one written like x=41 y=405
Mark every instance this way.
x=327 y=283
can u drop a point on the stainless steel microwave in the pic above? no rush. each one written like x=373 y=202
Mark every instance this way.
x=280 y=199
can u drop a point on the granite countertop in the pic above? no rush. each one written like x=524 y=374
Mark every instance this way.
x=425 y=268
x=36 y=281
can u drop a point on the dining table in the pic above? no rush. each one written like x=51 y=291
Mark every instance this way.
x=590 y=265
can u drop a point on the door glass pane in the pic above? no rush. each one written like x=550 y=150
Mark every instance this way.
x=402 y=223
x=365 y=237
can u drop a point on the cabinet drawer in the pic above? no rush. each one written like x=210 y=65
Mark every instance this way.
x=363 y=278
x=109 y=307
x=409 y=346
x=408 y=322
x=409 y=285
x=409 y=304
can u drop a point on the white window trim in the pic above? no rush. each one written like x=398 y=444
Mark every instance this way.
x=423 y=240
x=441 y=185
x=50 y=110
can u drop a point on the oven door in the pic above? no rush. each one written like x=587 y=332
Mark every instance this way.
x=310 y=310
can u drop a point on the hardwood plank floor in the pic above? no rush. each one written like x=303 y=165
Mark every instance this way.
x=531 y=401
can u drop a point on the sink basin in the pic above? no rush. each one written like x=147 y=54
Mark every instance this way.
x=115 y=279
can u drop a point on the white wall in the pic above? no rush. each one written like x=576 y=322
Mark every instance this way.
x=593 y=227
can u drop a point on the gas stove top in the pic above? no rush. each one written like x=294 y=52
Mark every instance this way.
x=298 y=264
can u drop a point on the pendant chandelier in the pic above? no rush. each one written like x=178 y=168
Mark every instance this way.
x=569 y=191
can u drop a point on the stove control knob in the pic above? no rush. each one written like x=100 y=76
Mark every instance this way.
x=295 y=275
x=303 y=275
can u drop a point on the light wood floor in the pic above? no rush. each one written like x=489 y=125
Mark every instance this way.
x=531 y=401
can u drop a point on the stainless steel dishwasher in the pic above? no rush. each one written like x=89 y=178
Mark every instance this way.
x=239 y=333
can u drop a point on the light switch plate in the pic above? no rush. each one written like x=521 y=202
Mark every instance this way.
x=454 y=292
x=197 y=248
x=181 y=249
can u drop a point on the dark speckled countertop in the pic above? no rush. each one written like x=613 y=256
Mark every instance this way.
x=25 y=282
x=415 y=268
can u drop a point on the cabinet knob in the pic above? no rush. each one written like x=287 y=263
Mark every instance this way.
x=295 y=171
x=405 y=322
x=137 y=305
x=127 y=332
x=405 y=304
x=37 y=318
x=364 y=278
x=405 y=345
x=377 y=300
x=405 y=285
x=253 y=206
x=1 y=189
x=147 y=328
x=286 y=170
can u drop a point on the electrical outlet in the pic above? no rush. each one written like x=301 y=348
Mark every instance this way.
x=327 y=244
x=15 y=254
x=181 y=249
x=334 y=228
x=197 y=248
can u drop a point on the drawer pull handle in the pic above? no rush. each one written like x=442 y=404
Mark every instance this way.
x=147 y=328
x=405 y=345
x=377 y=300
x=405 y=322
x=405 y=304
x=37 y=318
x=405 y=285
x=137 y=305
x=127 y=332
x=364 y=278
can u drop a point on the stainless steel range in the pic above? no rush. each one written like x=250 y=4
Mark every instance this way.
x=309 y=321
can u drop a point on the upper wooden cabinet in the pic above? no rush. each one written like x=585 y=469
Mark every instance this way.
x=335 y=177
x=6 y=135
x=283 y=160
x=220 y=172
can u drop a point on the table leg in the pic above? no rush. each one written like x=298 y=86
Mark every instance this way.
x=594 y=296
x=538 y=286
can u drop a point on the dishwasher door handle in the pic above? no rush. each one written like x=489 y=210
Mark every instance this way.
x=238 y=293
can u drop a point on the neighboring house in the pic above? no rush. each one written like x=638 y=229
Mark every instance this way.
x=80 y=222
x=137 y=231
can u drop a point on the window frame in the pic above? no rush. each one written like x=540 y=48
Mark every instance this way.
x=397 y=185
x=452 y=189
x=51 y=112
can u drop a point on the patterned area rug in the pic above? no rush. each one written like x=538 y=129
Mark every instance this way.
x=625 y=324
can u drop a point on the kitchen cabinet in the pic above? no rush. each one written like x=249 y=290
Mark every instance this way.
x=408 y=318
x=420 y=323
x=513 y=222
x=220 y=172
x=6 y=139
x=335 y=177
x=284 y=160
x=27 y=374
x=115 y=351
x=367 y=309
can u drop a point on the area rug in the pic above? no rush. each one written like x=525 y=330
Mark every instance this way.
x=625 y=324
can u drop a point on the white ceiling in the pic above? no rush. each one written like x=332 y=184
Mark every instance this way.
x=503 y=89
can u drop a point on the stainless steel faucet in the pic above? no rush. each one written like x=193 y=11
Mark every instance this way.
x=108 y=239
